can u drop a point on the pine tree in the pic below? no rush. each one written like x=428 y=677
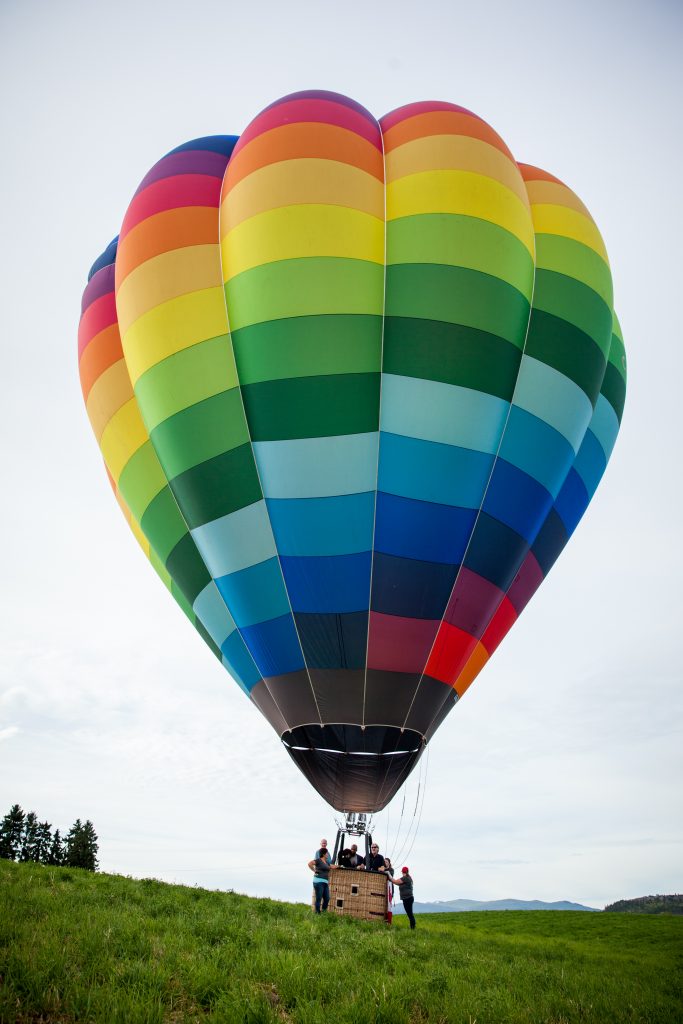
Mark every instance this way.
x=90 y=847
x=11 y=832
x=56 y=854
x=44 y=842
x=74 y=844
x=29 y=837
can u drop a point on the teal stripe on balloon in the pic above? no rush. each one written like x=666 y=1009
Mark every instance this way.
x=445 y=413
x=316 y=467
x=237 y=540
x=552 y=397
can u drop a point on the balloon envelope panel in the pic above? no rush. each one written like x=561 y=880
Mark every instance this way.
x=356 y=387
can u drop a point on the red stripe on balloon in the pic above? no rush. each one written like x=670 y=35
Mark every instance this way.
x=170 y=194
x=451 y=652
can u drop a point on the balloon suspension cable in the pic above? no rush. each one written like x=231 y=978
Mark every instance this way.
x=423 y=787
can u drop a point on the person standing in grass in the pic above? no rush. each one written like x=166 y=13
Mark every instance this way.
x=321 y=867
x=406 y=890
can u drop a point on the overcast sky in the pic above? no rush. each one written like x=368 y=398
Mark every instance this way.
x=558 y=776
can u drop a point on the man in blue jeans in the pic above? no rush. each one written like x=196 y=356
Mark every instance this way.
x=321 y=867
x=406 y=889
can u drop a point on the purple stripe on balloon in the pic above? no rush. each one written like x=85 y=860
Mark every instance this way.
x=473 y=602
x=323 y=94
x=99 y=284
x=526 y=583
x=190 y=161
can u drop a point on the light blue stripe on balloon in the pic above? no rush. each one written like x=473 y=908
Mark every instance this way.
x=427 y=471
x=605 y=425
x=444 y=413
x=236 y=541
x=317 y=467
x=255 y=594
x=323 y=526
x=590 y=462
x=538 y=449
x=546 y=393
x=212 y=612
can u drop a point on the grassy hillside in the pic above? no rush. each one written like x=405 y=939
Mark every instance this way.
x=75 y=946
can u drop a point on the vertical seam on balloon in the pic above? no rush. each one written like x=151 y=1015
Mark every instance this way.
x=485 y=492
x=189 y=531
x=258 y=474
x=379 y=422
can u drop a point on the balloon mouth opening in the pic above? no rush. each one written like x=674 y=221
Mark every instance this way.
x=372 y=741
x=355 y=769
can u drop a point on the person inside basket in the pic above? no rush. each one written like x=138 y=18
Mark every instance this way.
x=375 y=860
x=321 y=867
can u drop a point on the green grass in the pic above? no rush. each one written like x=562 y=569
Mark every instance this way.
x=76 y=946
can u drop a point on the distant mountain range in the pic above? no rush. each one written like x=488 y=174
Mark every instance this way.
x=459 y=906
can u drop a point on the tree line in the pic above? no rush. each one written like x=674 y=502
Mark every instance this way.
x=24 y=838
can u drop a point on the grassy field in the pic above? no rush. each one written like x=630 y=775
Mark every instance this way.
x=75 y=946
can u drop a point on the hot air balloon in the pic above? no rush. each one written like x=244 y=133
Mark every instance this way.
x=355 y=383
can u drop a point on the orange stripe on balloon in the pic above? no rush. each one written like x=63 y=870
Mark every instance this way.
x=163 y=232
x=102 y=352
x=295 y=141
x=444 y=122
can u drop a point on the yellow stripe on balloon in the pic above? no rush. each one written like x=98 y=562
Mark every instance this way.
x=122 y=436
x=299 y=182
x=455 y=152
x=462 y=192
x=164 y=277
x=109 y=393
x=296 y=232
x=176 y=325
x=559 y=220
x=555 y=194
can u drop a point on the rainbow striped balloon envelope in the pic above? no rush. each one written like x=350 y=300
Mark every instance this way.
x=355 y=383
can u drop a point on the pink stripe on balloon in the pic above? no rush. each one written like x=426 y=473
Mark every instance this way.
x=399 y=644
x=395 y=117
x=98 y=316
x=301 y=111
x=171 y=194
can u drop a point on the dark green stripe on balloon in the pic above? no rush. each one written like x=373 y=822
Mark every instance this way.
x=323 y=406
x=452 y=354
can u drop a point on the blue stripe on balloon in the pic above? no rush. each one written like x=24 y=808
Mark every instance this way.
x=409 y=588
x=422 y=529
x=315 y=467
x=537 y=449
x=239 y=662
x=590 y=462
x=255 y=594
x=572 y=501
x=496 y=551
x=516 y=499
x=440 y=473
x=274 y=646
x=445 y=413
x=332 y=640
x=338 y=583
x=323 y=526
